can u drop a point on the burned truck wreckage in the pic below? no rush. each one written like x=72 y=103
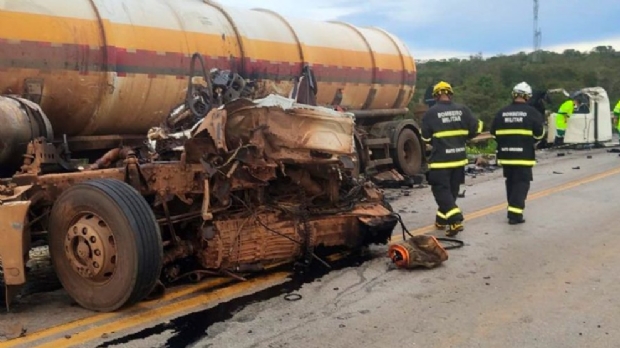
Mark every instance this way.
x=252 y=182
x=151 y=141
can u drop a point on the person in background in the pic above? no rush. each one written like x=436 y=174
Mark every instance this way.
x=561 y=120
x=616 y=121
x=516 y=129
x=447 y=126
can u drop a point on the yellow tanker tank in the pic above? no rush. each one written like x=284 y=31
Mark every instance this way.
x=105 y=67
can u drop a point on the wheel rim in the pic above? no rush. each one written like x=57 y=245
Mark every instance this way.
x=91 y=249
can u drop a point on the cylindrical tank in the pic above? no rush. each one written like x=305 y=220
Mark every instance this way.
x=22 y=120
x=119 y=66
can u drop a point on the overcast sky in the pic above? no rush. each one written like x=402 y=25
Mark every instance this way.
x=457 y=28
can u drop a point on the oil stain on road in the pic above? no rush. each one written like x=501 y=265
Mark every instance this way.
x=191 y=328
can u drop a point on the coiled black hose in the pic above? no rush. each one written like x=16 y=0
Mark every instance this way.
x=200 y=110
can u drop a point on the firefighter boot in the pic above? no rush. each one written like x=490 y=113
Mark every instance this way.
x=516 y=220
x=440 y=226
x=454 y=229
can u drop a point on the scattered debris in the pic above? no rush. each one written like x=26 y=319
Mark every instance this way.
x=473 y=169
x=482 y=162
x=393 y=179
x=589 y=157
x=577 y=167
x=561 y=154
x=292 y=297
x=554 y=172
x=462 y=195
x=422 y=250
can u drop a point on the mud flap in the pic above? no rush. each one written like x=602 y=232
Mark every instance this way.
x=418 y=251
x=14 y=244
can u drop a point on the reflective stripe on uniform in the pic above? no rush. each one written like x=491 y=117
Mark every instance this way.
x=542 y=135
x=514 y=132
x=451 y=133
x=480 y=126
x=441 y=215
x=444 y=165
x=453 y=212
x=517 y=162
x=515 y=210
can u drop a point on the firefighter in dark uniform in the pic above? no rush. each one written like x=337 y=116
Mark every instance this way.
x=447 y=126
x=516 y=128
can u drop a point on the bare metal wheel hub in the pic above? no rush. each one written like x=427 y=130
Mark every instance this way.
x=91 y=249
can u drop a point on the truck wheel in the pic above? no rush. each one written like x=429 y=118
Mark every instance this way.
x=105 y=244
x=408 y=157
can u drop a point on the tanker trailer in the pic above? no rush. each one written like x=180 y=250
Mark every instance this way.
x=253 y=183
x=105 y=71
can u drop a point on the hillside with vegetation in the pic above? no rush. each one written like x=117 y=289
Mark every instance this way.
x=485 y=84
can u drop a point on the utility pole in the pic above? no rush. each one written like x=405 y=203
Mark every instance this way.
x=537 y=34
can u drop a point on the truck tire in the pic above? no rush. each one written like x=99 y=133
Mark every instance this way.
x=408 y=156
x=105 y=244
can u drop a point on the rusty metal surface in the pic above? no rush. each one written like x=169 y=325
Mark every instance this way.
x=252 y=184
x=247 y=240
x=113 y=78
x=418 y=251
x=14 y=241
x=22 y=120
x=119 y=153
x=90 y=248
x=288 y=131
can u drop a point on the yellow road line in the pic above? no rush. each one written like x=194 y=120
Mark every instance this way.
x=171 y=307
x=167 y=311
x=105 y=316
x=533 y=196
x=96 y=318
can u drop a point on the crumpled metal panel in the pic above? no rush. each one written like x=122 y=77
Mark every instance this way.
x=289 y=131
x=14 y=244
x=247 y=240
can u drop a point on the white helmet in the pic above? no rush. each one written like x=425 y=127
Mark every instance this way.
x=522 y=89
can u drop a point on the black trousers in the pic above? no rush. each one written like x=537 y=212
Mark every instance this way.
x=518 y=180
x=445 y=185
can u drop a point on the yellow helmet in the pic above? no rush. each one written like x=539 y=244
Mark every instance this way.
x=442 y=88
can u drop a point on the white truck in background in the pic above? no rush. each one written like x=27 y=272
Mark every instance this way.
x=591 y=124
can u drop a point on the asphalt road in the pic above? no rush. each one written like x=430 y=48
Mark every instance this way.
x=551 y=282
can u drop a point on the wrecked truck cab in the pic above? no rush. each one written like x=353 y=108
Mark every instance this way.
x=291 y=132
x=253 y=184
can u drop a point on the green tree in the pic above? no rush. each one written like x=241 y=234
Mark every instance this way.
x=484 y=85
